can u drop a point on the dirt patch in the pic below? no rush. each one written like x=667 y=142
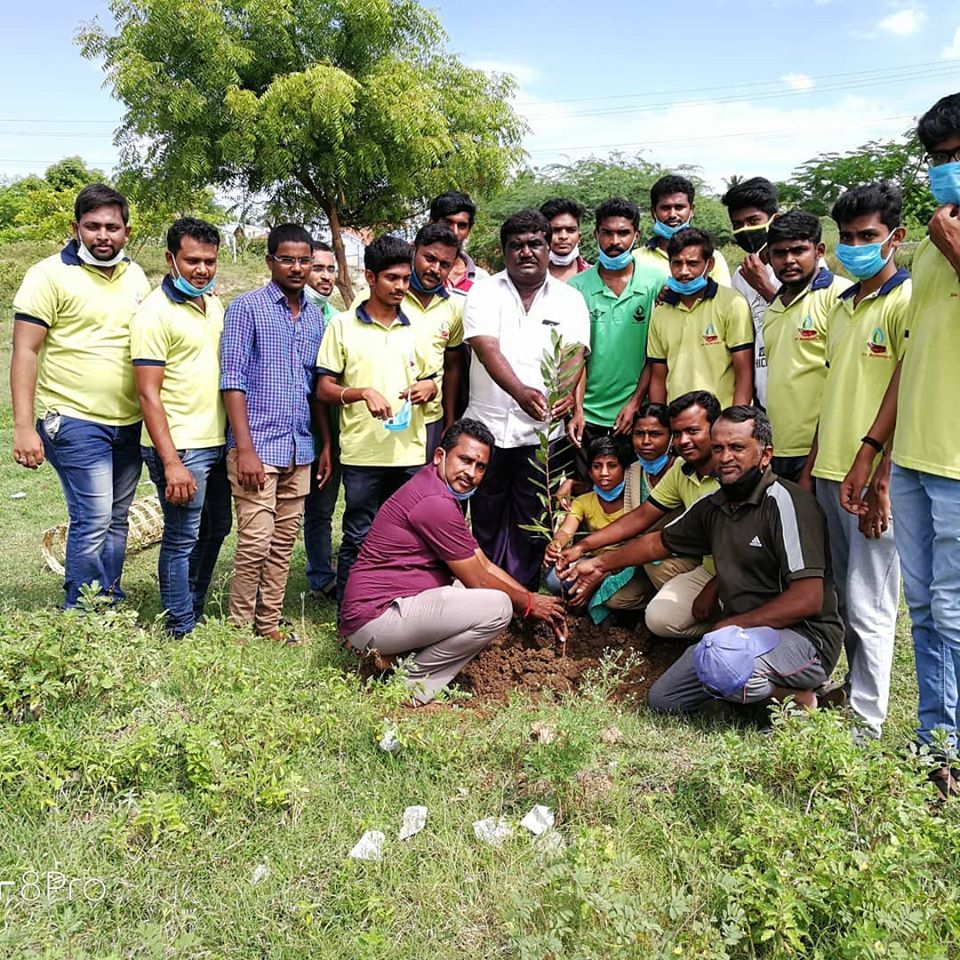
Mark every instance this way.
x=526 y=657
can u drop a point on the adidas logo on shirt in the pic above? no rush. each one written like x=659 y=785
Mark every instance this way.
x=755 y=542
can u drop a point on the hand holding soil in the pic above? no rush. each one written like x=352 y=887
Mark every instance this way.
x=549 y=610
x=588 y=577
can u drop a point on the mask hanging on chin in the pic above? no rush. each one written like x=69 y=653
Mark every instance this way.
x=612 y=494
x=456 y=494
x=619 y=262
x=739 y=490
x=662 y=229
x=653 y=467
x=315 y=297
x=187 y=288
x=87 y=257
x=564 y=260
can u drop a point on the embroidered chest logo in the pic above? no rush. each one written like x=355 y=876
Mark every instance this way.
x=806 y=330
x=710 y=335
x=877 y=343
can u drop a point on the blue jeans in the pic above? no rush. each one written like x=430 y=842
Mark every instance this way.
x=192 y=533
x=99 y=467
x=318 y=510
x=926 y=511
x=365 y=490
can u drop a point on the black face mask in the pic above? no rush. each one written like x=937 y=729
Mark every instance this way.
x=739 y=490
x=751 y=239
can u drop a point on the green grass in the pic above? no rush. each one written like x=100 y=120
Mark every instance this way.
x=168 y=776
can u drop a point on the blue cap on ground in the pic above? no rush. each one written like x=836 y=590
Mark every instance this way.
x=725 y=658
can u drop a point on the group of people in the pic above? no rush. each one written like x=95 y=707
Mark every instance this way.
x=735 y=451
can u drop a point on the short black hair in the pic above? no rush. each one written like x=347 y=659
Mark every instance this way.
x=942 y=120
x=609 y=447
x=690 y=237
x=884 y=198
x=466 y=427
x=742 y=413
x=453 y=201
x=321 y=246
x=556 y=205
x=385 y=252
x=618 y=207
x=288 y=233
x=695 y=398
x=525 y=221
x=436 y=233
x=795 y=225
x=198 y=230
x=96 y=195
x=656 y=410
x=669 y=185
x=756 y=192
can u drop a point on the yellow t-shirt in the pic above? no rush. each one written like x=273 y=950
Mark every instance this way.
x=361 y=353
x=795 y=339
x=651 y=255
x=864 y=345
x=588 y=509
x=696 y=343
x=169 y=330
x=682 y=486
x=926 y=435
x=439 y=327
x=84 y=365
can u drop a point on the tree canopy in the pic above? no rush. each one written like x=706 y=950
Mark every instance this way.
x=349 y=110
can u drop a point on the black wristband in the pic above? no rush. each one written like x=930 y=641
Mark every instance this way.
x=871 y=442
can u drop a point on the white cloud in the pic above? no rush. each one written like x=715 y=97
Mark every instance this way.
x=903 y=23
x=798 y=81
x=523 y=73
x=953 y=51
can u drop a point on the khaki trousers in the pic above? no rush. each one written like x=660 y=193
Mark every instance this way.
x=670 y=613
x=267 y=524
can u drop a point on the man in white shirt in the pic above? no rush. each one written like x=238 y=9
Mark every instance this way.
x=750 y=205
x=507 y=321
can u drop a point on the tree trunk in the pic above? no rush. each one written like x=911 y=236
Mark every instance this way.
x=344 y=283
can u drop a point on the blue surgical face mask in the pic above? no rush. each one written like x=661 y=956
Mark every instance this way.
x=612 y=494
x=188 y=289
x=656 y=465
x=685 y=288
x=456 y=494
x=400 y=420
x=619 y=262
x=945 y=182
x=662 y=229
x=864 y=261
x=416 y=283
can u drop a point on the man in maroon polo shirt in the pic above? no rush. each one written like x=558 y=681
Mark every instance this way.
x=400 y=598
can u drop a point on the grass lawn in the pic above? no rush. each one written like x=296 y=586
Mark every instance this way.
x=199 y=799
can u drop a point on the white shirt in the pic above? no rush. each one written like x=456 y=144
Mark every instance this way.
x=494 y=309
x=758 y=306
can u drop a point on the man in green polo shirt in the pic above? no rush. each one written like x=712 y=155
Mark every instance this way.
x=620 y=293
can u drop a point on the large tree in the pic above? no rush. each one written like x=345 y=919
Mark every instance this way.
x=348 y=109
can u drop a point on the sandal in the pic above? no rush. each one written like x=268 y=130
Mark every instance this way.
x=945 y=780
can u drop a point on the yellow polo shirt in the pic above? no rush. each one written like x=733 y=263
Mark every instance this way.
x=650 y=254
x=864 y=345
x=439 y=327
x=926 y=435
x=697 y=343
x=359 y=352
x=682 y=486
x=84 y=365
x=795 y=339
x=172 y=332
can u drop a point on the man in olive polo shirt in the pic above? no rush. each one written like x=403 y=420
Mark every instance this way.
x=370 y=366
x=773 y=571
x=701 y=335
x=620 y=294
x=71 y=381
x=175 y=345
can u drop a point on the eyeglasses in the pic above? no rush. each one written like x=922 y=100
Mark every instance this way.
x=290 y=261
x=323 y=268
x=937 y=158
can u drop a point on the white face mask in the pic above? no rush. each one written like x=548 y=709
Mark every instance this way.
x=564 y=260
x=87 y=257
x=315 y=296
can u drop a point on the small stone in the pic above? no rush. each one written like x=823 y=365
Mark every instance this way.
x=612 y=735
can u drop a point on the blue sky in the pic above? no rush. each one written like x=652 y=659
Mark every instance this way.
x=746 y=86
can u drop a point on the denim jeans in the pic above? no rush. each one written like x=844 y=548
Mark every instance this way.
x=318 y=510
x=99 y=467
x=926 y=510
x=365 y=491
x=192 y=533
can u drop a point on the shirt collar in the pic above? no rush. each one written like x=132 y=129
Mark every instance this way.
x=653 y=243
x=471 y=266
x=709 y=292
x=71 y=258
x=364 y=317
x=690 y=470
x=821 y=280
x=276 y=294
x=171 y=291
x=898 y=278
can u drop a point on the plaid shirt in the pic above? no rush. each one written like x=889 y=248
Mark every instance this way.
x=273 y=360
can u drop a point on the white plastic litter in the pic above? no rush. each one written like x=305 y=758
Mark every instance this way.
x=389 y=741
x=492 y=830
x=414 y=820
x=369 y=846
x=19 y=495
x=260 y=873
x=538 y=820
